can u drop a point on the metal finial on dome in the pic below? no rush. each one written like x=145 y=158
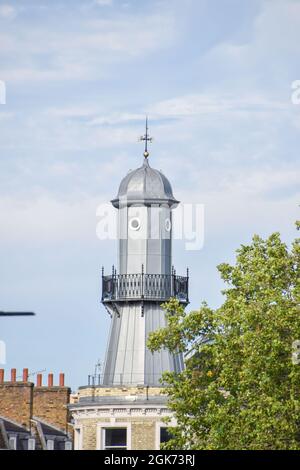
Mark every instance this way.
x=146 y=139
x=145 y=185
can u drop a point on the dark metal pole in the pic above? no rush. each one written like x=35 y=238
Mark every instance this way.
x=17 y=314
x=187 y=283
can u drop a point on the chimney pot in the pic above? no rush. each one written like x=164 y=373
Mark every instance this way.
x=61 y=380
x=13 y=375
x=25 y=375
x=1 y=375
x=39 y=380
x=50 y=380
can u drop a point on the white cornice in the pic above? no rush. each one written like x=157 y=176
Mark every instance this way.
x=95 y=412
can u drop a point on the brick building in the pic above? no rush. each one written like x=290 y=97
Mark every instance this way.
x=124 y=417
x=34 y=416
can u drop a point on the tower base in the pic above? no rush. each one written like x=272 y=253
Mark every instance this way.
x=105 y=416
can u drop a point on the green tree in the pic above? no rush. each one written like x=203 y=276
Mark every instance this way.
x=241 y=385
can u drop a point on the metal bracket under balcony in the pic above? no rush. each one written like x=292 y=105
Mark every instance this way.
x=144 y=287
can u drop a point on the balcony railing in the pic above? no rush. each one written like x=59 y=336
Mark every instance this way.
x=98 y=380
x=153 y=287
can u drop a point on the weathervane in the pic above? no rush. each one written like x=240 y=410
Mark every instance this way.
x=146 y=139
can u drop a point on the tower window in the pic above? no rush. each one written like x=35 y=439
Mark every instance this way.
x=168 y=225
x=135 y=224
x=115 y=438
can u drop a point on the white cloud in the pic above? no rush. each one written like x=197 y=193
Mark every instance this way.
x=34 y=73
x=47 y=219
x=7 y=11
x=72 y=112
x=263 y=181
x=96 y=118
x=104 y=2
x=83 y=52
x=79 y=127
x=189 y=105
x=274 y=42
x=116 y=118
x=5 y=116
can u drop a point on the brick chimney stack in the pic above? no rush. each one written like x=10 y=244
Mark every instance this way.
x=50 y=402
x=50 y=380
x=20 y=401
x=61 y=380
x=16 y=398
x=39 y=380
x=25 y=375
x=13 y=375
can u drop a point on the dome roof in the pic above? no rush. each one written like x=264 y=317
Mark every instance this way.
x=145 y=185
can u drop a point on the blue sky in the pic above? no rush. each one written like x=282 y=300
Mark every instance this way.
x=215 y=79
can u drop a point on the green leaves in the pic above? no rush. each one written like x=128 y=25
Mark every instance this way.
x=240 y=388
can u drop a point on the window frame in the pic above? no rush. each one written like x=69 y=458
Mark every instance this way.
x=159 y=425
x=50 y=444
x=68 y=445
x=135 y=219
x=12 y=442
x=101 y=427
x=31 y=443
x=78 y=437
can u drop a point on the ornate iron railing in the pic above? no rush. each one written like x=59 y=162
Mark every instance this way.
x=156 y=287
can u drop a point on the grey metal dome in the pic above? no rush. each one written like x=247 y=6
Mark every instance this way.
x=145 y=185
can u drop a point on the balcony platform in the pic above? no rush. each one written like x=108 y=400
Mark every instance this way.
x=144 y=287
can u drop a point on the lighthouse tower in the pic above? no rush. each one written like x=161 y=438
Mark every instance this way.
x=124 y=407
x=145 y=278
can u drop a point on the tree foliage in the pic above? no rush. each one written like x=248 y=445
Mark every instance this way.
x=240 y=388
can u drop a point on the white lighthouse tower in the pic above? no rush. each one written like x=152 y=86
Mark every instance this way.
x=145 y=278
